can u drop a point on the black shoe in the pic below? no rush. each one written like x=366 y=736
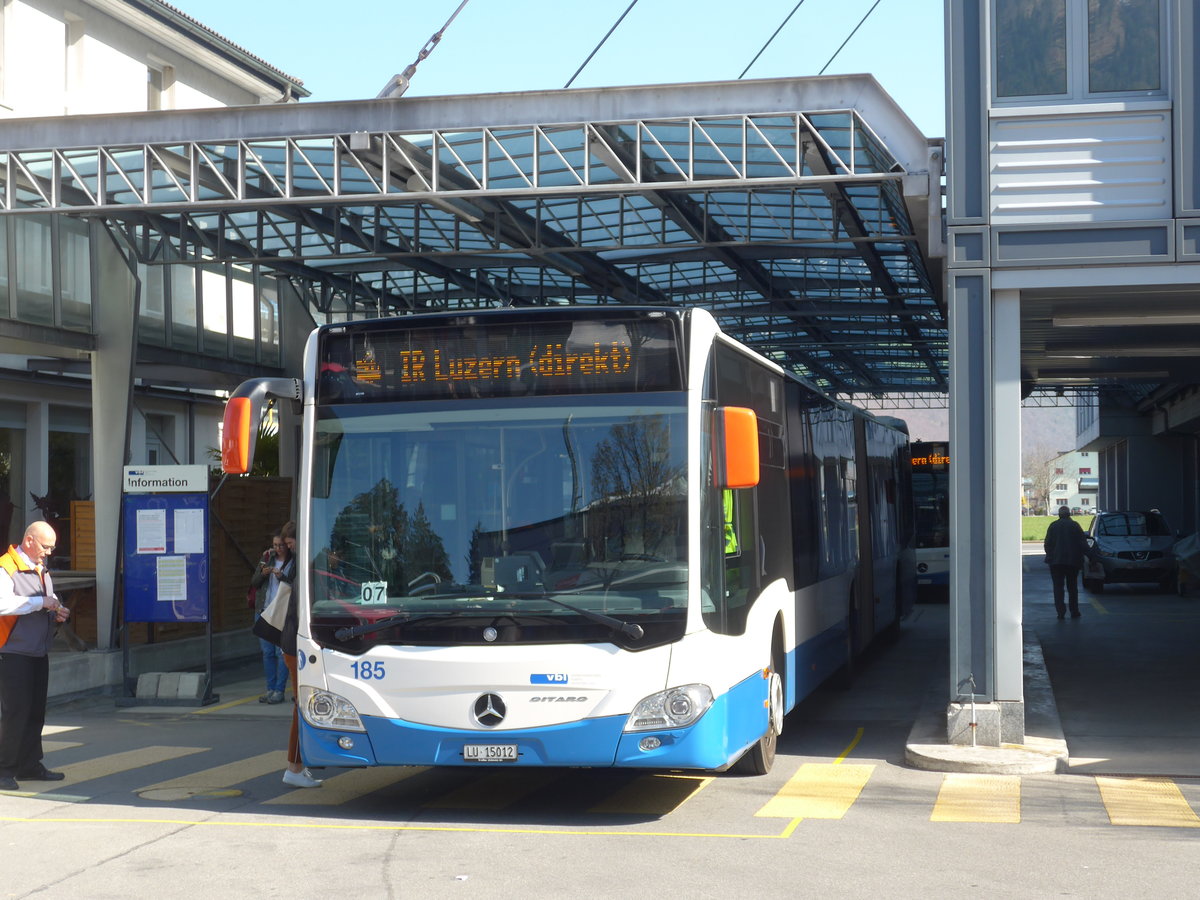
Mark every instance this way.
x=41 y=774
x=8 y=783
x=1076 y=615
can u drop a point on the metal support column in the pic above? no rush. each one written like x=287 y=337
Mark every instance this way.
x=986 y=696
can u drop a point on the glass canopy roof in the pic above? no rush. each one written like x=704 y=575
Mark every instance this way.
x=790 y=227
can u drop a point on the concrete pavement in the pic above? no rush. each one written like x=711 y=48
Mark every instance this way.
x=1115 y=692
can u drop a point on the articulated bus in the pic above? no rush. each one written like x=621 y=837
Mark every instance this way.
x=575 y=536
x=931 y=505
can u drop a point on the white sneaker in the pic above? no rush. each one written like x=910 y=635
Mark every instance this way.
x=301 y=779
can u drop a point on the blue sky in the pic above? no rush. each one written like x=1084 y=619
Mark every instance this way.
x=349 y=50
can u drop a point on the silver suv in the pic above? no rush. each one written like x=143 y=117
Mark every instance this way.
x=1130 y=547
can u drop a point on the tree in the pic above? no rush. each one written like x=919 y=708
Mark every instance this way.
x=636 y=487
x=1037 y=468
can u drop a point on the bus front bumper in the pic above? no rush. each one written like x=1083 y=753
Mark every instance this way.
x=734 y=722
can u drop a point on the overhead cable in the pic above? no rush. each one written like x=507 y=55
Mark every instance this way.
x=850 y=35
x=620 y=18
x=399 y=83
x=771 y=38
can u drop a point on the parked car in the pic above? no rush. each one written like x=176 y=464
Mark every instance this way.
x=1131 y=546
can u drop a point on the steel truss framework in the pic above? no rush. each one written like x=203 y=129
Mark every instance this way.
x=790 y=227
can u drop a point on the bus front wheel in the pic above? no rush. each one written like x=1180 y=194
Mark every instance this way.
x=759 y=759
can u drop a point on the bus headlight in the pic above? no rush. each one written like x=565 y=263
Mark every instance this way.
x=323 y=709
x=674 y=708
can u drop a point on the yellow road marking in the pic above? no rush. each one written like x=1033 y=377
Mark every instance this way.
x=458 y=829
x=1098 y=606
x=495 y=791
x=850 y=747
x=978 y=798
x=347 y=786
x=220 y=706
x=1145 y=801
x=227 y=775
x=51 y=746
x=653 y=795
x=103 y=766
x=819 y=791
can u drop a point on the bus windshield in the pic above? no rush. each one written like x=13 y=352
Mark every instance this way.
x=931 y=493
x=464 y=521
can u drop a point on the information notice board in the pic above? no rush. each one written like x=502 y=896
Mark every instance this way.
x=166 y=555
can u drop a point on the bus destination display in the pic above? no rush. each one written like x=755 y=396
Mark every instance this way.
x=551 y=360
x=500 y=359
x=933 y=459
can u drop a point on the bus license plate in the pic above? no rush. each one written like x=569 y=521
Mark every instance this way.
x=490 y=752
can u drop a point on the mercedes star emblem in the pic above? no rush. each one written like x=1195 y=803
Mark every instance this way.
x=489 y=710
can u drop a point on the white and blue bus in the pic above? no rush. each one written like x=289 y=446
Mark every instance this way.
x=931 y=517
x=575 y=536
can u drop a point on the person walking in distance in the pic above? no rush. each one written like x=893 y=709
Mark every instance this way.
x=276 y=567
x=30 y=613
x=1065 y=546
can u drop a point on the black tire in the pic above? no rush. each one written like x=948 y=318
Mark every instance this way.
x=759 y=759
x=843 y=678
x=1093 y=585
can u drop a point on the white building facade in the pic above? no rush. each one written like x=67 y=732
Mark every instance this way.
x=1074 y=482
x=87 y=387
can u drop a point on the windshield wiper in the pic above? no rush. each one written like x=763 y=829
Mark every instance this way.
x=348 y=632
x=629 y=629
x=344 y=634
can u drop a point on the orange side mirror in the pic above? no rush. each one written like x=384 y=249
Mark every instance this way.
x=738 y=428
x=237 y=435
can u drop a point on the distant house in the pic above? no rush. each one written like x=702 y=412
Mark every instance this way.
x=1074 y=482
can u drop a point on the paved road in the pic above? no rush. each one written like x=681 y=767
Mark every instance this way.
x=189 y=803
x=1126 y=676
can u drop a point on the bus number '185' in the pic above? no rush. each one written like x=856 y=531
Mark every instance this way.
x=368 y=671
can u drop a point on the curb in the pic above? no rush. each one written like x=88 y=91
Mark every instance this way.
x=1043 y=751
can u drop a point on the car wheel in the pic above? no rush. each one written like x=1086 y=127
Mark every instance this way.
x=1093 y=585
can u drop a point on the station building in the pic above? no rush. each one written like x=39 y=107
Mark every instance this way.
x=73 y=389
x=1071 y=209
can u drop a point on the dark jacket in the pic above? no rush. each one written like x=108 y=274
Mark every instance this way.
x=260 y=579
x=1066 y=544
x=285 y=637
